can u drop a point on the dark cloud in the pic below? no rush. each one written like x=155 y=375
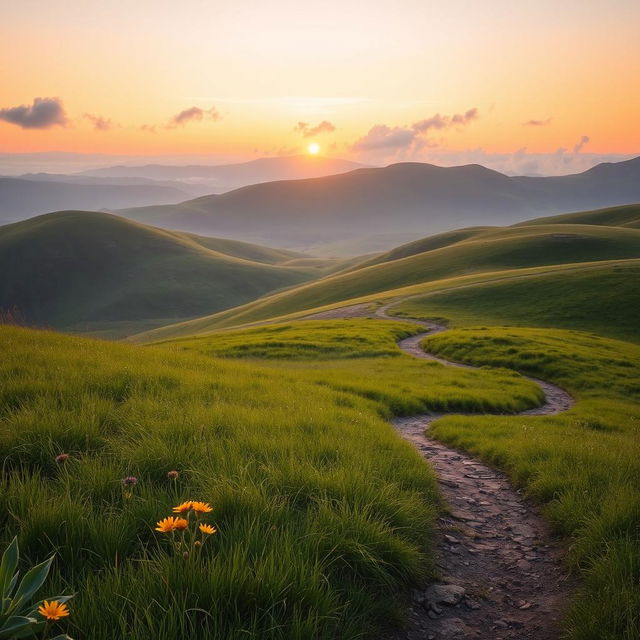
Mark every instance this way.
x=308 y=131
x=536 y=123
x=194 y=113
x=583 y=141
x=42 y=114
x=99 y=123
x=383 y=137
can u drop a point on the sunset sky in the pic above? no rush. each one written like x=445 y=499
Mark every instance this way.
x=372 y=81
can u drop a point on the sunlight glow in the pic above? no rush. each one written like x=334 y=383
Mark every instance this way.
x=313 y=148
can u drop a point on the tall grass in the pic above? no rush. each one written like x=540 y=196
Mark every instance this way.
x=325 y=515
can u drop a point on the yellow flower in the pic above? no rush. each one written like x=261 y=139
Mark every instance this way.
x=167 y=525
x=201 y=507
x=184 y=507
x=180 y=524
x=53 y=610
x=208 y=529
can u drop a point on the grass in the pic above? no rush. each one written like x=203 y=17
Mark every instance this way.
x=74 y=270
x=325 y=515
x=602 y=300
x=583 y=465
x=308 y=340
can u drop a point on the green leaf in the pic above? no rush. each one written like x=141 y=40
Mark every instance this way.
x=64 y=636
x=8 y=567
x=31 y=582
x=17 y=625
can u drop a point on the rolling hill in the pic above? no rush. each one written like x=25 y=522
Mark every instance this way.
x=411 y=198
x=460 y=259
x=84 y=270
x=24 y=197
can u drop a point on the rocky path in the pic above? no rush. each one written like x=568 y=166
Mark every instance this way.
x=501 y=573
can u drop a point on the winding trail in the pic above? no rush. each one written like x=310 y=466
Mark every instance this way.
x=501 y=572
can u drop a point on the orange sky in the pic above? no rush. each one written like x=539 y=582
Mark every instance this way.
x=573 y=67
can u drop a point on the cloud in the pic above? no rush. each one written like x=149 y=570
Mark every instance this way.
x=536 y=123
x=381 y=136
x=411 y=137
x=42 y=114
x=191 y=114
x=308 y=131
x=583 y=141
x=149 y=128
x=99 y=123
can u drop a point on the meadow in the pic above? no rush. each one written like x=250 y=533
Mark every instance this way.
x=325 y=516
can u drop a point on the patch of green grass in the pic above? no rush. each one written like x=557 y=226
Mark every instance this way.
x=305 y=340
x=583 y=465
x=603 y=300
x=361 y=357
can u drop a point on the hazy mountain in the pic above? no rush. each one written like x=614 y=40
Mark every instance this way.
x=411 y=198
x=86 y=270
x=194 y=190
x=21 y=198
x=221 y=178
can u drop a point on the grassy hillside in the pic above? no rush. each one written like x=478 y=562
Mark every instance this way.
x=73 y=269
x=583 y=464
x=487 y=252
x=625 y=216
x=324 y=514
x=603 y=300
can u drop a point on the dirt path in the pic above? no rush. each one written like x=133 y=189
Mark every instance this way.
x=501 y=573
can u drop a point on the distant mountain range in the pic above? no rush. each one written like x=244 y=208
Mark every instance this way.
x=124 y=186
x=225 y=177
x=31 y=195
x=336 y=212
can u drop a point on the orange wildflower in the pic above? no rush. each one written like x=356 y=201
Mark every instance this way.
x=53 y=610
x=201 y=507
x=185 y=507
x=208 y=529
x=167 y=525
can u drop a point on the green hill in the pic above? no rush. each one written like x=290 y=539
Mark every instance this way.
x=604 y=300
x=79 y=270
x=482 y=252
x=624 y=216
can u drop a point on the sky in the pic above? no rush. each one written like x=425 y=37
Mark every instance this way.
x=552 y=87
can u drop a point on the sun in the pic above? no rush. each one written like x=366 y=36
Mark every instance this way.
x=313 y=148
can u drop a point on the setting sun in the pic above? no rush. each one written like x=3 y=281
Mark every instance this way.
x=313 y=148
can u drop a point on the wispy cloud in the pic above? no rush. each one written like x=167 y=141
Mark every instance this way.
x=99 y=122
x=308 y=131
x=381 y=136
x=42 y=114
x=537 y=123
x=193 y=114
